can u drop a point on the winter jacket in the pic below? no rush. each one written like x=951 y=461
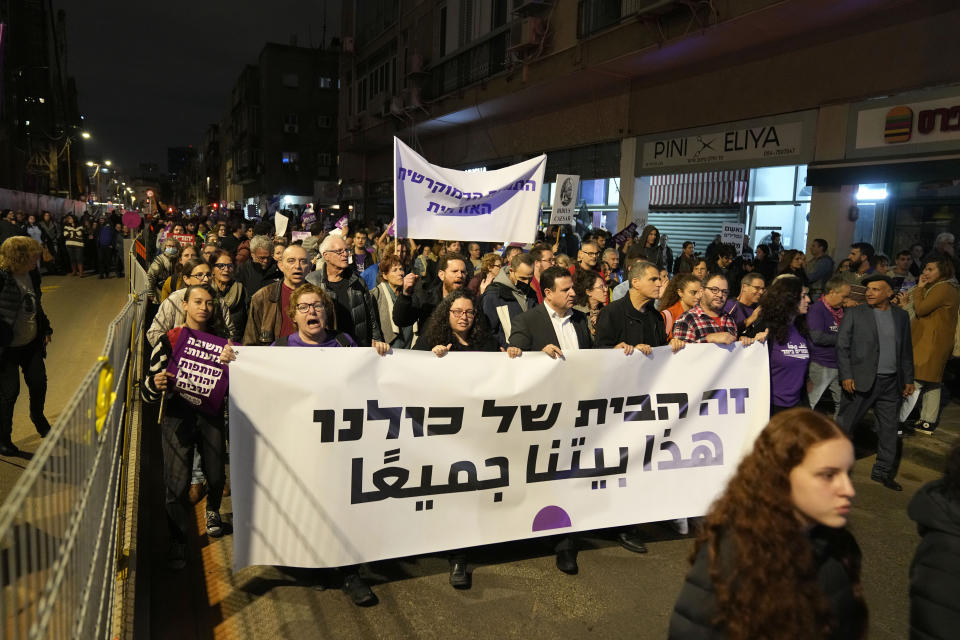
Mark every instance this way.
x=385 y=303
x=932 y=331
x=235 y=301
x=171 y=315
x=265 y=319
x=684 y=264
x=11 y=299
x=652 y=253
x=502 y=301
x=935 y=571
x=363 y=308
x=417 y=307
x=160 y=269
x=834 y=550
x=253 y=277
x=620 y=321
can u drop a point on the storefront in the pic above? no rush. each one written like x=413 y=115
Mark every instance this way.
x=903 y=152
x=750 y=171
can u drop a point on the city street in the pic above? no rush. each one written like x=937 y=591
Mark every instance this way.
x=517 y=591
x=80 y=309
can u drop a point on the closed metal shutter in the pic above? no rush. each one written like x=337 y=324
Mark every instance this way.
x=701 y=227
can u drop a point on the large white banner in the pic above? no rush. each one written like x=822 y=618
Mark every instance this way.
x=447 y=204
x=340 y=456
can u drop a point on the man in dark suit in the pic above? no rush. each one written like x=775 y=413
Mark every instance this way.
x=554 y=325
x=875 y=363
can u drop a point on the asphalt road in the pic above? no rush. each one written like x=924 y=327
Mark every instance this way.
x=80 y=309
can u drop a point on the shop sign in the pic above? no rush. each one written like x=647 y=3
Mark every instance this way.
x=745 y=144
x=909 y=124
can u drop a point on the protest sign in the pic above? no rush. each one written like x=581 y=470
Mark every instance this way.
x=565 y=199
x=486 y=206
x=732 y=233
x=530 y=447
x=625 y=234
x=185 y=239
x=200 y=379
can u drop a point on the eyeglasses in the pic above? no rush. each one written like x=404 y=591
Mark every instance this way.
x=717 y=291
x=459 y=313
x=200 y=276
x=758 y=288
x=549 y=261
x=339 y=252
x=305 y=308
x=590 y=253
x=226 y=266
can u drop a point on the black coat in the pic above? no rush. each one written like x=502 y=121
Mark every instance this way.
x=620 y=321
x=253 y=277
x=416 y=308
x=935 y=572
x=532 y=330
x=833 y=550
x=364 y=315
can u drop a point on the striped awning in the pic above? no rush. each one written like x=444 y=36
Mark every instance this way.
x=705 y=189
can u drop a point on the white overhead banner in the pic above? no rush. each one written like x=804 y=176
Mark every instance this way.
x=565 y=199
x=488 y=206
x=340 y=456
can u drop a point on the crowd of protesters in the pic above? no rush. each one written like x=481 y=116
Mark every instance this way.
x=873 y=332
x=76 y=245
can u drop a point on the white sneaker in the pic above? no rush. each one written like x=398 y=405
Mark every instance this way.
x=681 y=526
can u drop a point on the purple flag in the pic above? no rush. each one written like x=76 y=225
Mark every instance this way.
x=200 y=379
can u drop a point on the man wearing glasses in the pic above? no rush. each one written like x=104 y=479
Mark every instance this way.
x=587 y=257
x=543 y=259
x=268 y=319
x=355 y=309
x=707 y=322
x=743 y=309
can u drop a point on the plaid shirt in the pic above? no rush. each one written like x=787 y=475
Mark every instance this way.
x=695 y=325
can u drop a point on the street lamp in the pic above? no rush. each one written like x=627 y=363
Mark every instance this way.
x=85 y=135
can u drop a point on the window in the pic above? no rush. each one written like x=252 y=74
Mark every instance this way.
x=773 y=184
x=289 y=160
x=325 y=82
x=291 y=80
x=324 y=159
x=324 y=122
x=291 y=123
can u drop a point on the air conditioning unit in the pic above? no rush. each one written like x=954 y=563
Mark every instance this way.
x=414 y=97
x=416 y=62
x=526 y=33
x=290 y=128
x=348 y=44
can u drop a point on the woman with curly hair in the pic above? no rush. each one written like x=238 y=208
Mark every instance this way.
x=680 y=295
x=456 y=325
x=774 y=559
x=489 y=268
x=783 y=321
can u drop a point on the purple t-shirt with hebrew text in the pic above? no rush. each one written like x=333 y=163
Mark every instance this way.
x=788 y=368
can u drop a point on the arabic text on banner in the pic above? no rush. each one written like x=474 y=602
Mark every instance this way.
x=527 y=447
x=199 y=378
x=486 y=206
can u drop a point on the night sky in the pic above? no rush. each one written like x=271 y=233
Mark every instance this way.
x=153 y=75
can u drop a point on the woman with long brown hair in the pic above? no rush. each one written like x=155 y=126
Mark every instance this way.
x=681 y=294
x=774 y=559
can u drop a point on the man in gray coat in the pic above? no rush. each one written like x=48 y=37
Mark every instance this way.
x=875 y=361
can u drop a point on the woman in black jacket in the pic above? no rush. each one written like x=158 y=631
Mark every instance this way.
x=773 y=559
x=24 y=335
x=935 y=572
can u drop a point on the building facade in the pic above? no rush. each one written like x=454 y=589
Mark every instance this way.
x=683 y=114
x=41 y=150
x=278 y=139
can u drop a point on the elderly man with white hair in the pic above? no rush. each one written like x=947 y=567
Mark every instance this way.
x=355 y=309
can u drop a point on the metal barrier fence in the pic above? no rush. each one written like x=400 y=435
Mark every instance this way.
x=59 y=525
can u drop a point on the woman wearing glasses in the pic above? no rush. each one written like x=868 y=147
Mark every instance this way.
x=591 y=295
x=171 y=313
x=456 y=325
x=227 y=289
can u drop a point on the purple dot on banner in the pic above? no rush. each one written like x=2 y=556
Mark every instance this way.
x=551 y=517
